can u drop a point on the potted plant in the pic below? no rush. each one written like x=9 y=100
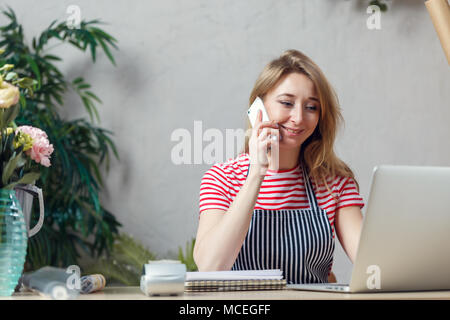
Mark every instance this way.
x=75 y=218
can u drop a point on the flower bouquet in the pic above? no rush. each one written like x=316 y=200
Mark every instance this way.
x=22 y=150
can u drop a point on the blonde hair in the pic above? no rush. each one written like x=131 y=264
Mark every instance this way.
x=317 y=152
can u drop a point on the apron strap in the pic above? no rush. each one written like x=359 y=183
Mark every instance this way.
x=310 y=191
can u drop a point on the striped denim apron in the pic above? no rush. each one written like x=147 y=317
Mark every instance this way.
x=299 y=242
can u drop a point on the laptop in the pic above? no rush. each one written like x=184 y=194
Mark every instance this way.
x=405 y=237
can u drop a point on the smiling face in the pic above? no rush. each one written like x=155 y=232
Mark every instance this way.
x=293 y=104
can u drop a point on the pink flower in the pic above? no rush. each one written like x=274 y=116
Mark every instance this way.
x=41 y=149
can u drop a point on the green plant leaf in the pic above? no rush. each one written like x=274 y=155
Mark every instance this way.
x=9 y=115
x=23 y=101
x=51 y=57
x=35 y=70
x=84 y=86
x=77 y=80
x=93 y=96
x=106 y=50
x=11 y=165
x=10 y=76
x=188 y=258
x=28 y=178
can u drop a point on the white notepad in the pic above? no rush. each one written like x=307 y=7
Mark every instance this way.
x=273 y=274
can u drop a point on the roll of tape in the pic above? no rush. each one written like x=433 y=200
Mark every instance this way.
x=92 y=283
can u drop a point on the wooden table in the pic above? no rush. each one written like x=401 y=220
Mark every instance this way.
x=134 y=293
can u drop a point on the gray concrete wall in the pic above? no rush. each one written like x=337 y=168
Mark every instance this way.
x=186 y=61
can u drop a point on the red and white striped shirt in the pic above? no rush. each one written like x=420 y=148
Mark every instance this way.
x=280 y=190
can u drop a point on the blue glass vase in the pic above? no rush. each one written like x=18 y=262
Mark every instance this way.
x=13 y=242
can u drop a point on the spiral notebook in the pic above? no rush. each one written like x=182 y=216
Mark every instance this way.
x=234 y=280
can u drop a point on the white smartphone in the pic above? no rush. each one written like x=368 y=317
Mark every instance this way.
x=253 y=111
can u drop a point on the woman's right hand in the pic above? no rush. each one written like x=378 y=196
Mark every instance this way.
x=263 y=145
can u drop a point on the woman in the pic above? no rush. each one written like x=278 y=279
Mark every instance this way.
x=281 y=210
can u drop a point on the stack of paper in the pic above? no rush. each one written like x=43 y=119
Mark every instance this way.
x=234 y=280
